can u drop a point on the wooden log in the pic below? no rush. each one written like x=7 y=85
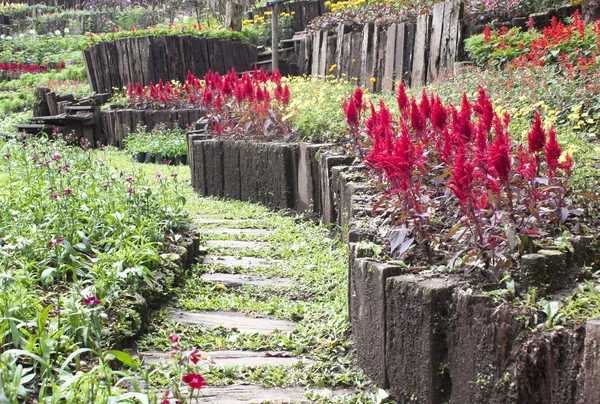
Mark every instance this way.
x=144 y=61
x=365 y=54
x=390 y=53
x=341 y=31
x=316 y=47
x=40 y=104
x=201 y=57
x=380 y=60
x=354 y=55
x=173 y=57
x=435 y=43
x=419 y=71
x=411 y=29
x=374 y=57
x=323 y=54
x=52 y=101
x=451 y=40
x=399 y=53
x=331 y=54
x=89 y=70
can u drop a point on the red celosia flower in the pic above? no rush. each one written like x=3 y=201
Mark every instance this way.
x=552 y=152
x=402 y=98
x=285 y=96
x=461 y=181
x=439 y=115
x=194 y=380
x=487 y=34
x=499 y=154
x=537 y=136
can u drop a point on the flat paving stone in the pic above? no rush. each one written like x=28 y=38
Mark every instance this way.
x=236 y=244
x=252 y=394
x=233 y=358
x=222 y=221
x=231 y=320
x=236 y=232
x=233 y=280
x=230 y=261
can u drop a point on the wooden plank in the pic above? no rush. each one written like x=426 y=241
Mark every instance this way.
x=452 y=36
x=316 y=46
x=323 y=54
x=341 y=30
x=89 y=70
x=331 y=54
x=374 y=55
x=365 y=49
x=411 y=29
x=144 y=52
x=380 y=60
x=435 y=42
x=399 y=52
x=390 y=53
x=419 y=71
x=354 y=55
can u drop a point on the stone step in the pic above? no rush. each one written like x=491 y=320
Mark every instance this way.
x=233 y=358
x=224 y=221
x=233 y=280
x=236 y=232
x=236 y=244
x=231 y=320
x=233 y=262
x=252 y=394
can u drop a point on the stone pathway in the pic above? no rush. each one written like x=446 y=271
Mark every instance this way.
x=240 y=322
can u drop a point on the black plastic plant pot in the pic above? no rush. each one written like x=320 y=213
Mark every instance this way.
x=140 y=157
x=149 y=158
x=158 y=158
x=183 y=159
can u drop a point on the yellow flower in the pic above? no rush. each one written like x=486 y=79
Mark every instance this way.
x=372 y=79
x=332 y=68
x=328 y=3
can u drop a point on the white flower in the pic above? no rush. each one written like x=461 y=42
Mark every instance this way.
x=9 y=37
x=57 y=32
x=21 y=35
x=67 y=30
x=3 y=36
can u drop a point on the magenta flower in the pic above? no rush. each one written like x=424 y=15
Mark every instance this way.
x=174 y=337
x=67 y=192
x=56 y=157
x=53 y=196
x=91 y=301
x=174 y=175
x=8 y=155
x=130 y=191
x=130 y=180
x=194 y=380
x=106 y=186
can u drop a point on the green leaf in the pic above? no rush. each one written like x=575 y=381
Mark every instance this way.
x=124 y=358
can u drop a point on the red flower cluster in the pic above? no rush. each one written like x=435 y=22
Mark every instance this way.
x=431 y=147
x=568 y=46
